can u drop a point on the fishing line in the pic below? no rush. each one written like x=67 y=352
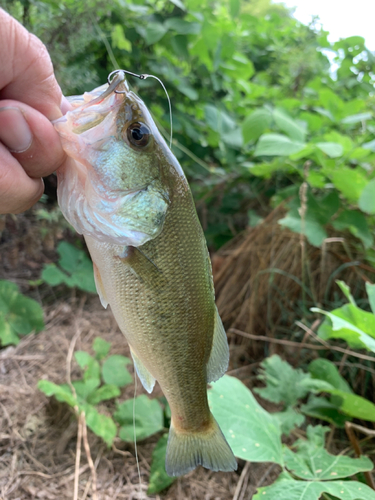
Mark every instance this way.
x=135 y=438
x=144 y=76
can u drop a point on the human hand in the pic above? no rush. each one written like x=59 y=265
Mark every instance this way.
x=30 y=97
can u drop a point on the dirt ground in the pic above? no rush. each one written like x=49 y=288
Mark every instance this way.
x=38 y=436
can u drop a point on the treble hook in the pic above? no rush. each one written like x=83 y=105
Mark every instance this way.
x=116 y=71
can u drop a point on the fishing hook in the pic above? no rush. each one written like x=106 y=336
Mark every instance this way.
x=116 y=71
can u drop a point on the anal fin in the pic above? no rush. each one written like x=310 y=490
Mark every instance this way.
x=100 y=287
x=148 y=381
x=219 y=357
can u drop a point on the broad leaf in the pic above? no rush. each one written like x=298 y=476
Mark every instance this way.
x=323 y=369
x=283 y=382
x=289 y=419
x=114 y=370
x=289 y=126
x=286 y=488
x=252 y=433
x=148 y=418
x=366 y=201
x=311 y=461
x=103 y=394
x=61 y=392
x=101 y=348
x=355 y=326
x=100 y=424
x=255 y=124
x=321 y=408
x=159 y=479
x=332 y=149
x=19 y=315
x=356 y=223
x=277 y=145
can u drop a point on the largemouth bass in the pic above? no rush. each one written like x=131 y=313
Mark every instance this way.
x=127 y=194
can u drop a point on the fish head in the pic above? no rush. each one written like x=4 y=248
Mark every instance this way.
x=116 y=188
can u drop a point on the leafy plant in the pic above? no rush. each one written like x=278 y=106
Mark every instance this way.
x=19 y=315
x=349 y=322
x=104 y=376
x=308 y=470
x=74 y=269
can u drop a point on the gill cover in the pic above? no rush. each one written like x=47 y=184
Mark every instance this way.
x=112 y=190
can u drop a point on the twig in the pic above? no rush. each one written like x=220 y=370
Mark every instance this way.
x=245 y=470
x=78 y=458
x=297 y=344
x=349 y=427
x=348 y=352
x=88 y=455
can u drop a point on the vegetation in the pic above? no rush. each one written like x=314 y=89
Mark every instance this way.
x=266 y=113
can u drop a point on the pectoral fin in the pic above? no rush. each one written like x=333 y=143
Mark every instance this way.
x=148 y=381
x=142 y=266
x=100 y=287
x=219 y=358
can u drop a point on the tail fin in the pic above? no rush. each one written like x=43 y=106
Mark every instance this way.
x=209 y=448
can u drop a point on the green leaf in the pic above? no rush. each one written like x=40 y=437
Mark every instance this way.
x=61 y=393
x=148 y=418
x=323 y=369
x=255 y=124
x=254 y=434
x=84 y=388
x=76 y=269
x=366 y=200
x=182 y=27
x=313 y=229
x=358 y=118
x=355 y=326
x=286 y=488
x=289 y=419
x=103 y=394
x=370 y=289
x=349 y=181
x=179 y=4
x=289 y=126
x=277 y=145
x=353 y=405
x=100 y=424
x=319 y=407
x=356 y=223
x=332 y=149
x=114 y=371
x=19 y=315
x=159 y=479
x=346 y=291
x=312 y=462
x=83 y=359
x=152 y=32
x=119 y=40
x=101 y=348
x=283 y=382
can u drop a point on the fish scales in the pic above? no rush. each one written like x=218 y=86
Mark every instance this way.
x=127 y=194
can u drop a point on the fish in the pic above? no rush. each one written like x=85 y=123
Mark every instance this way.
x=126 y=193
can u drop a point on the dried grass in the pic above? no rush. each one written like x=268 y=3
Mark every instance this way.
x=263 y=286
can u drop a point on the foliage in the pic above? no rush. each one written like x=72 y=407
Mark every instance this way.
x=74 y=269
x=308 y=469
x=349 y=322
x=19 y=315
x=103 y=377
x=254 y=97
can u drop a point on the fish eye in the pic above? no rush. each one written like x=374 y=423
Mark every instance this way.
x=138 y=134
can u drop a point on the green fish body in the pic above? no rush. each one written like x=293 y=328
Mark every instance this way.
x=126 y=193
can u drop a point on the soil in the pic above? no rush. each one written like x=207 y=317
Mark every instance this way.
x=38 y=435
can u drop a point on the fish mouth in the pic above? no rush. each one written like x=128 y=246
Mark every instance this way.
x=90 y=109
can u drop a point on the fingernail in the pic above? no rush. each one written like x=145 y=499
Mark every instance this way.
x=15 y=132
x=65 y=106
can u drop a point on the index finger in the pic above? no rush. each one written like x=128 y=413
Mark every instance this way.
x=26 y=69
